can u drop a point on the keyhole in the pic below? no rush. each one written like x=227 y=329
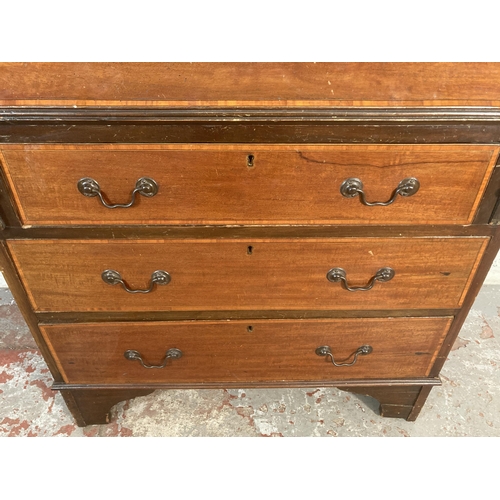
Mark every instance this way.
x=250 y=250
x=249 y=329
x=250 y=160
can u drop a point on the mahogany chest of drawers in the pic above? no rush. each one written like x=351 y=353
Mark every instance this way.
x=247 y=225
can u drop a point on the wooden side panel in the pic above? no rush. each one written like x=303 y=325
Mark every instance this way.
x=260 y=351
x=247 y=274
x=12 y=278
x=202 y=184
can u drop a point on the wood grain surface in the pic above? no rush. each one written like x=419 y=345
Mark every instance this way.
x=229 y=275
x=248 y=247
x=213 y=184
x=248 y=83
x=228 y=351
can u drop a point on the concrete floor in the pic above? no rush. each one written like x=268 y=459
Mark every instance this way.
x=467 y=404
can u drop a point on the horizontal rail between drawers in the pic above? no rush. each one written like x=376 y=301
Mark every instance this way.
x=46 y=318
x=245 y=232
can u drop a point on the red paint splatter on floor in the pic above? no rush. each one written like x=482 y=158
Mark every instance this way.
x=8 y=356
x=92 y=431
x=225 y=401
x=47 y=392
x=66 y=430
x=116 y=430
x=459 y=342
x=5 y=377
x=311 y=394
x=17 y=429
x=487 y=331
x=245 y=412
x=9 y=421
x=280 y=409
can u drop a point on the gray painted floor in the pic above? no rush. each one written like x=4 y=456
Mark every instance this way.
x=467 y=404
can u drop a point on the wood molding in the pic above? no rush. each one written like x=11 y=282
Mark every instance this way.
x=431 y=381
x=430 y=125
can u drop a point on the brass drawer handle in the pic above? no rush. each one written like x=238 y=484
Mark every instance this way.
x=338 y=274
x=112 y=277
x=173 y=353
x=326 y=351
x=144 y=186
x=353 y=187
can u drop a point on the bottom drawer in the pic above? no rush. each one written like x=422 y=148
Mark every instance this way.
x=242 y=351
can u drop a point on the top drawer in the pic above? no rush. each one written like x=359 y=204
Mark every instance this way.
x=247 y=184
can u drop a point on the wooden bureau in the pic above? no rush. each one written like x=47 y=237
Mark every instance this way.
x=247 y=225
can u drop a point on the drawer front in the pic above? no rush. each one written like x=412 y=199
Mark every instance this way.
x=222 y=184
x=287 y=274
x=225 y=351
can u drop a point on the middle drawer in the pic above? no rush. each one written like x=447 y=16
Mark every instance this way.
x=286 y=274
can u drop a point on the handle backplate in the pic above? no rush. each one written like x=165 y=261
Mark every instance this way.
x=363 y=350
x=353 y=187
x=112 y=277
x=145 y=186
x=133 y=355
x=337 y=274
